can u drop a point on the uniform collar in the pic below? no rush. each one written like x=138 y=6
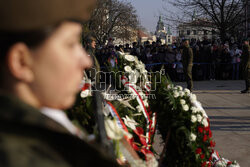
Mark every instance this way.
x=14 y=110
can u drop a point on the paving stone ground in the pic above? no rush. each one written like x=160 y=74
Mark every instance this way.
x=229 y=113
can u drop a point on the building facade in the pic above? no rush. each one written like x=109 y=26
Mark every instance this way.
x=197 y=29
x=165 y=36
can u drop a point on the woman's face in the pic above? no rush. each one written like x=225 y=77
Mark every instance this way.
x=58 y=67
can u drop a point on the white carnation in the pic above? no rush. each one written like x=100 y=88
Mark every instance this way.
x=192 y=137
x=86 y=93
x=185 y=107
x=193 y=98
x=187 y=91
x=182 y=93
x=179 y=88
x=193 y=118
x=127 y=68
x=176 y=94
x=199 y=118
x=182 y=101
x=194 y=110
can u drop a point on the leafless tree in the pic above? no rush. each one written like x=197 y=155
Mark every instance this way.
x=112 y=18
x=226 y=15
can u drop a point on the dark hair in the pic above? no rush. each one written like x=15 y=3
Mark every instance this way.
x=31 y=38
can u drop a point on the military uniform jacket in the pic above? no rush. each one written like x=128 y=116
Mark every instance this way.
x=93 y=72
x=30 y=139
x=187 y=56
x=245 y=59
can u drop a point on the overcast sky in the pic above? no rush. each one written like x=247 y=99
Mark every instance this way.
x=148 y=12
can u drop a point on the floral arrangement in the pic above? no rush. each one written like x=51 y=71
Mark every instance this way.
x=185 y=128
x=131 y=102
x=130 y=115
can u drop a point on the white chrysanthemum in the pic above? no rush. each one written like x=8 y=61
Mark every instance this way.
x=187 y=91
x=193 y=98
x=199 y=118
x=182 y=101
x=193 y=119
x=182 y=93
x=128 y=69
x=129 y=58
x=86 y=93
x=204 y=122
x=130 y=122
x=176 y=94
x=194 y=109
x=192 y=137
x=179 y=88
x=185 y=107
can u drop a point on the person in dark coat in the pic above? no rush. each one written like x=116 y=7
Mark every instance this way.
x=246 y=65
x=41 y=65
x=187 y=62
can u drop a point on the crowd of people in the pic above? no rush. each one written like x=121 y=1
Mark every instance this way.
x=211 y=60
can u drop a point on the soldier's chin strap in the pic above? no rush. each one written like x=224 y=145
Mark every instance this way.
x=99 y=116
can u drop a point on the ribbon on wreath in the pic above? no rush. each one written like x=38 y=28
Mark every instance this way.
x=142 y=105
x=121 y=124
x=115 y=114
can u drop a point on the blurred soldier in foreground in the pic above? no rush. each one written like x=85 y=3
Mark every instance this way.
x=246 y=65
x=187 y=62
x=41 y=65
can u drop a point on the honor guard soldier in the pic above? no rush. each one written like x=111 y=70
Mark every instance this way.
x=41 y=65
x=245 y=59
x=187 y=62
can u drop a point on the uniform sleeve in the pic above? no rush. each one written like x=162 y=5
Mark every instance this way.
x=190 y=57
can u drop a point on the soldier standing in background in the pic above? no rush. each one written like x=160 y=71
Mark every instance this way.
x=246 y=65
x=94 y=72
x=187 y=62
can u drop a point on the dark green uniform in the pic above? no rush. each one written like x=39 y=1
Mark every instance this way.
x=29 y=138
x=187 y=62
x=93 y=73
x=246 y=65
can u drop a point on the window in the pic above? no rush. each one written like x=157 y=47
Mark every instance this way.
x=195 y=32
x=188 y=32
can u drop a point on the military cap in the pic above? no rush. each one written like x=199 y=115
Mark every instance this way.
x=245 y=39
x=185 y=39
x=25 y=15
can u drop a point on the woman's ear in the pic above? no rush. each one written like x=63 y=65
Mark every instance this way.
x=19 y=61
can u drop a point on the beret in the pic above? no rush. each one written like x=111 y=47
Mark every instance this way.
x=26 y=15
x=245 y=39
